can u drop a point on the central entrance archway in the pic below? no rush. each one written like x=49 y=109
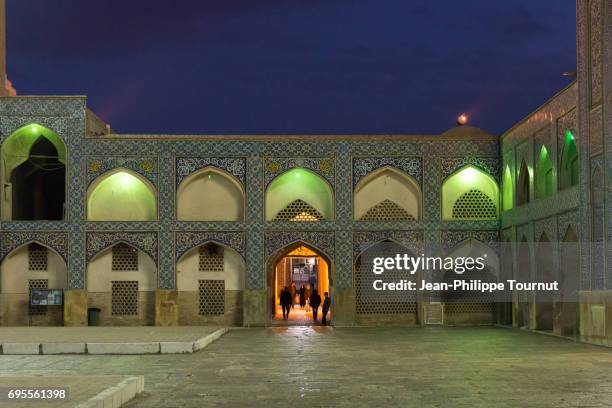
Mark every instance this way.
x=301 y=269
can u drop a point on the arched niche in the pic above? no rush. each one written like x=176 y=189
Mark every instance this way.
x=33 y=175
x=299 y=195
x=31 y=265
x=523 y=274
x=544 y=175
x=507 y=189
x=121 y=195
x=210 y=194
x=210 y=279
x=567 y=310
x=117 y=277
x=569 y=165
x=388 y=194
x=470 y=194
x=279 y=273
x=544 y=273
x=522 y=185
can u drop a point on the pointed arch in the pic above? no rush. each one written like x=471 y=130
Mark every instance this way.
x=569 y=164
x=122 y=284
x=470 y=193
x=507 y=187
x=279 y=272
x=544 y=174
x=299 y=184
x=522 y=185
x=210 y=280
x=33 y=174
x=476 y=249
x=598 y=227
x=388 y=194
x=121 y=195
x=26 y=267
x=210 y=194
x=544 y=273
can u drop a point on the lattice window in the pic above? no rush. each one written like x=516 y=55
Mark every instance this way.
x=386 y=210
x=211 y=258
x=298 y=210
x=38 y=284
x=212 y=297
x=469 y=307
x=474 y=204
x=125 y=258
x=37 y=257
x=124 y=298
x=370 y=301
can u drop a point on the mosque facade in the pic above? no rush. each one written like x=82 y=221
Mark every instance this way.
x=205 y=229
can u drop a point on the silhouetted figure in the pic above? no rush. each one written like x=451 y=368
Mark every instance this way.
x=307 y=293
x=293 y=293
x=285 y=301
x=302 y=296
x=315 y=302
x=326 y=306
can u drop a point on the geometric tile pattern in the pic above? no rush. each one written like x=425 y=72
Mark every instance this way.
x=189 y=165
x=124 y=258
x=298 y=210
x=210 y=258
x=386 y=210
x=211 y=297
x=124 y=298
x=37 y=257
x=474 y=204
x=362 y=166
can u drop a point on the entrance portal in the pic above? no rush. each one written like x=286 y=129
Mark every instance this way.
x=302 y=271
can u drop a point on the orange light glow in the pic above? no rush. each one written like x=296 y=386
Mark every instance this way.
x=462 y=119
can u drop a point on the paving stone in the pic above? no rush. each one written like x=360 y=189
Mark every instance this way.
x=20 y=348
x=176 y=347
x=123 y=348
x=63 y=348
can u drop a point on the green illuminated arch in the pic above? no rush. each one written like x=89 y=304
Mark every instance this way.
x=16 y=148
x=474 y=189
x=507 y=185
x=299 y=184
x=544 y=175
x=569 y=168
x=121 y=195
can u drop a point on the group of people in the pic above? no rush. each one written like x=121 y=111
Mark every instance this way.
x=288 y=297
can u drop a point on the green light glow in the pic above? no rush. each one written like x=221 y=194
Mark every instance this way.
x=461 y=182
x=544 y=181
x=122 y=197
x=507 y=185
x=301 y=184
x=16 y=148
x=569 y=170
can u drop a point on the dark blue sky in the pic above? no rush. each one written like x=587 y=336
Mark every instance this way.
x=301 y=66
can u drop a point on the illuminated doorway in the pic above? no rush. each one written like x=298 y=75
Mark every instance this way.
x=298 y=269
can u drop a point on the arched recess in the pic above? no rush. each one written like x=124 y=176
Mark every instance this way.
x=569 y=165
x=33 y=175
x=470 y=194
x=374 y=307
x=279 y=270
x=121 y=195
x=507 y=187
x=544 y=273
x=121 y=282
x=299 y=195
x=544 y=175
x=469 y=307
x=210 y=280
x=523 y=274
x=567 y=307
x=210 y=194
x=522 y=185
x=31 y=265
x=388 y=194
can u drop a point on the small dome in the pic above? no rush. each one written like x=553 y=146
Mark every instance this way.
x=467 y=132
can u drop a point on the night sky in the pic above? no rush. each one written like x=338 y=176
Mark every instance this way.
x=301 y=66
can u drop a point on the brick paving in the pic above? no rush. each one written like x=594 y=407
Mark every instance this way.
x=354 y=367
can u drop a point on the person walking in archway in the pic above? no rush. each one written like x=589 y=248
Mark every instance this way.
x=285 y=301
x=302 y=296
x=293 y=293
x=326 y=307
x=315 y=302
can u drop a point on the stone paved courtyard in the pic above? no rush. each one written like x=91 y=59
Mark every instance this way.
x=374 y=367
